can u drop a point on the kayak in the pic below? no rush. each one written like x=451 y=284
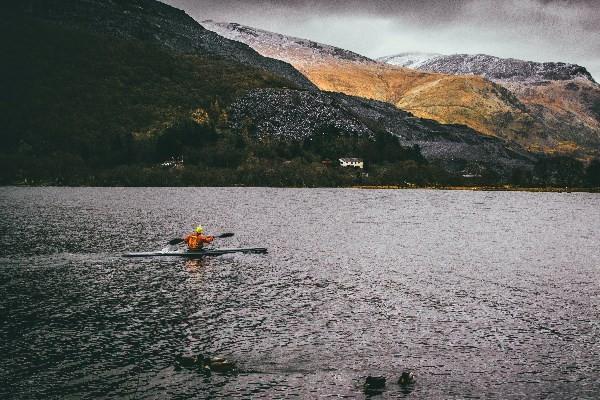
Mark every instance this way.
x=199 y=253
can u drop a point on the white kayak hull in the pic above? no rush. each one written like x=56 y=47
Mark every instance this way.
x=199 y=253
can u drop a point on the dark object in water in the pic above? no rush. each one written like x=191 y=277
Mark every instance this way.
x=407 y=382
x=182 y=361
x=374 y=384
x=407 y=378
x=205 y=364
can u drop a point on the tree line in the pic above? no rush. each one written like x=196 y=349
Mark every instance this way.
x=214 y=155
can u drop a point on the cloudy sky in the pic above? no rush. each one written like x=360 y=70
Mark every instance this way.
x=539 y=30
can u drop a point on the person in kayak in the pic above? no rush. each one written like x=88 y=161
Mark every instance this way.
x=196 y=240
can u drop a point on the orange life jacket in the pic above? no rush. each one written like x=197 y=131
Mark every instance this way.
x=195 y=241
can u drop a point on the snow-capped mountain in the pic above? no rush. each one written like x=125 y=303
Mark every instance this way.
x=485 y=93
x=187 y=72
x=490 y=67
x=447 y=99
x=563 y=96
x=282 y=47
x=409 y=60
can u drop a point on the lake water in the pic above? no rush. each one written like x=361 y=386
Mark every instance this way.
x=481 y=294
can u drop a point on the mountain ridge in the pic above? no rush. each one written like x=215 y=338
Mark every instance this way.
x=491 y=67
x=156 y=22
x=564 y=97
x=491 y=107
x=84 y=99
x=298 y=48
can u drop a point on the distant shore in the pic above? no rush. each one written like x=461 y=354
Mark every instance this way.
x=505 y=188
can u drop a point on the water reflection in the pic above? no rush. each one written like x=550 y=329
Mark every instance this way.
x=489 y=295
x=194 y=266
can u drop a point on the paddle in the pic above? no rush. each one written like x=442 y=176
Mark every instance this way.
x=180 y=240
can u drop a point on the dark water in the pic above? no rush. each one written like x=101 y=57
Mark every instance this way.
x=481 y=294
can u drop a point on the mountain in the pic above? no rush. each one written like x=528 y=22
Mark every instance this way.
x=534 y=119
x=563 y=97
x=408 y=60
x=154 y=22
x=103 y=92
x=473 y=101
x=74 y=99
x=299 y=115
x=490 y=67
x=88 y=85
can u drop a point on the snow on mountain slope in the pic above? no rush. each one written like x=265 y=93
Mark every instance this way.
x=282 y=47
x=504 y=69
x=450 y=95
x=409 y=60
x=490 y=67
x=564 y=97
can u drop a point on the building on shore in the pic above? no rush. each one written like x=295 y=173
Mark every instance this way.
x=352 y=162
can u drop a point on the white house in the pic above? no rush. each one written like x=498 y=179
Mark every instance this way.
x=173 y=162
x=352 y=162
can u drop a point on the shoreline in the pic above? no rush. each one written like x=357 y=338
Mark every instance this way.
x=504 y=188
x=485 y=188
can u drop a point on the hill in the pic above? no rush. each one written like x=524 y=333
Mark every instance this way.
x=563 y=97
x=151 y=21
x=472 y=101
x=92 y=98
x=450 y=97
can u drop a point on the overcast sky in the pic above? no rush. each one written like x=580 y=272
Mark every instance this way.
x=538 y=30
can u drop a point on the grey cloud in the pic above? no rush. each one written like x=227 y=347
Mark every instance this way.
x=538 y=30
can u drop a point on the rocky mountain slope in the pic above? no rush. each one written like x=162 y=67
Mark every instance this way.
x=563 y=97
x=450 y=99
x=492 y=107
x=408 y=60
x=297 y=115
x=297 y=50
x=493 y=68
x=153 y=22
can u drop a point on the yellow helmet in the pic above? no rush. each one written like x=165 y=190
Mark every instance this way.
x=199 y=229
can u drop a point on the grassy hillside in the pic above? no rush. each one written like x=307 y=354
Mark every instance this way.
x=84 y=99
x=466 y=100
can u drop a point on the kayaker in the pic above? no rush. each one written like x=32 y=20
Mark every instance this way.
x=197 y=239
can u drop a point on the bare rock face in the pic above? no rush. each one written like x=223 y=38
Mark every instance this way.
x=158 y=23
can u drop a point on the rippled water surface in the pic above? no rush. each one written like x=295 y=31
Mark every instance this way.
x=481 y=294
